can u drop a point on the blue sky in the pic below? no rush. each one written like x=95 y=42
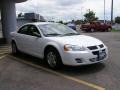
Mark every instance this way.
x=68 y=9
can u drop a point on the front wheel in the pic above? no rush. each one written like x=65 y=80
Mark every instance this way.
x=53 y=59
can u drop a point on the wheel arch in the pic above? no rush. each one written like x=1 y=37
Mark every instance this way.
x=50 y=47
x=13 y=41
x=59 y=61
x=54 y=46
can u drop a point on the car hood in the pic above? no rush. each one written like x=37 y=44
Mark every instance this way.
x=81 y=40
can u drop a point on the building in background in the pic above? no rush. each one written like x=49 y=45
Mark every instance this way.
x=28 y=18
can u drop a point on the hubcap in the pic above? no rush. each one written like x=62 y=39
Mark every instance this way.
x=51 y=59
x=109 y=29
x=92 y=30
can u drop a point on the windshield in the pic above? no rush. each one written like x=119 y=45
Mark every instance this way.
x=57 y=30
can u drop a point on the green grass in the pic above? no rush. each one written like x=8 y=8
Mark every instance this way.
x=114 y=30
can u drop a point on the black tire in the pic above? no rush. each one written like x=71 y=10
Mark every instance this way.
x=15 y=50
x=53 y=58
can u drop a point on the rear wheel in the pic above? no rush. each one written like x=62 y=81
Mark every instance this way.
x=53 y=58
x=14 y=48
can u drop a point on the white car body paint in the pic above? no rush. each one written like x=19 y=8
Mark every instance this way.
x=35 y=46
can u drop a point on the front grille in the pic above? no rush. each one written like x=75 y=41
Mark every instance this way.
x=95 y=47
x=97 y=52
x=101 y=46
x=103 y=50
x=92 y=47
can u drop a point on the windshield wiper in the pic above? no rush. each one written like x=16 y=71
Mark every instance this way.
x=69 y=34
x=53 y=34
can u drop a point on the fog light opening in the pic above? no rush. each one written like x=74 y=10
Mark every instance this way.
x=92 y=59
x=78 y=60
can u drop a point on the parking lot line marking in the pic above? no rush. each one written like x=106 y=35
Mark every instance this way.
x=2 y=50
x=1 y=57
x=3 y=53
x=97 y=87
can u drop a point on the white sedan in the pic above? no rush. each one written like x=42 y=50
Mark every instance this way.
x=58 y=44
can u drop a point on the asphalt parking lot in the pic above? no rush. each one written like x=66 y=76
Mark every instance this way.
x=24 y=72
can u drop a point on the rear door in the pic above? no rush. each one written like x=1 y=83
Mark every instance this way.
x=21 y=38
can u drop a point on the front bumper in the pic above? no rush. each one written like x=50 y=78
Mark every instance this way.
x=77 y=58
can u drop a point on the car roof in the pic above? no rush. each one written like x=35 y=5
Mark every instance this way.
x=37 y=23
x=40 y=23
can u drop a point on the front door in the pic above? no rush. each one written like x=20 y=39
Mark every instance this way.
x=34 y=42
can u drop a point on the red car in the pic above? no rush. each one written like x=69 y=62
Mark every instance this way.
x=96 y=26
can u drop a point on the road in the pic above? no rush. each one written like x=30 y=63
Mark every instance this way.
x=24 y=72
x=0 y=34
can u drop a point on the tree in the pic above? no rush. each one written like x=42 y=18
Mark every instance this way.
x=60 y=22
x=117 y=19
x=20 y=15
x=78 y=22
x=90 y=16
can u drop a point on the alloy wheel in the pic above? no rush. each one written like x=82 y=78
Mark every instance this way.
x=51 y=59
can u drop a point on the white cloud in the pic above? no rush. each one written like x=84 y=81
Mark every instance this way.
x=68 y=9
x=69 y=2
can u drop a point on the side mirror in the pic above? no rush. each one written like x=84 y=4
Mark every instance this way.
x=36 y=34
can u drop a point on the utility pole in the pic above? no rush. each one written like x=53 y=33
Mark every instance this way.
x=104 y=12
x=112 y=12
x=82 y=12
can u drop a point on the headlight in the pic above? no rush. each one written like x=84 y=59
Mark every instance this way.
x=74 y=48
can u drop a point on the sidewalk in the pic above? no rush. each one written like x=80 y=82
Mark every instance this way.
x=4 y=48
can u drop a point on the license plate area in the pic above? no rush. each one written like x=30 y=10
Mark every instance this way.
x=101 y=55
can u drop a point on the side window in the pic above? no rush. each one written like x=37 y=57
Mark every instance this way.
x=33 y=29
x=23 y=30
